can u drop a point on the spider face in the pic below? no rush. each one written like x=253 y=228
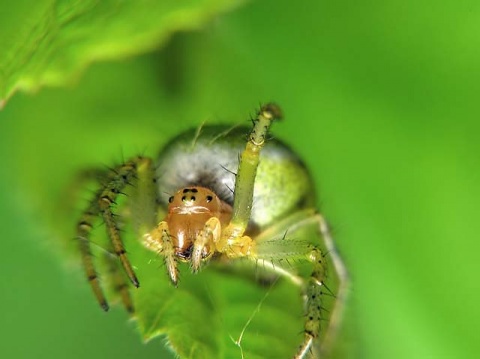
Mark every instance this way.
x=188 y=211
x=223 y=193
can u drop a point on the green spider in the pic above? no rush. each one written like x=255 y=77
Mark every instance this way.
x=209 y=197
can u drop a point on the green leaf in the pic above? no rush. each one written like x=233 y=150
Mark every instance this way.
x=208 y=312
x=51 y=42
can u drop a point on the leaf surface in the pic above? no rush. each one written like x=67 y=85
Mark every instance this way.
x=49 y=42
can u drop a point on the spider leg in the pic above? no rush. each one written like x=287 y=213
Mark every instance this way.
x=84 y=227
x=118 y=282
x=304 y=238
x=344 y=284
x=159 y=240
x=204 y=243
x=314 y=292
x=101 y=205
x=245 y=179
x=317 y=288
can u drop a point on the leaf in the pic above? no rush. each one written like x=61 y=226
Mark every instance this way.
x=51 y=42
x=208 y=312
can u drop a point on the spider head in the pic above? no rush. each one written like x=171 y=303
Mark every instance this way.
x=188 y=211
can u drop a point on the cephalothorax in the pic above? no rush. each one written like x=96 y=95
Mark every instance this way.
x=189 y=210
x=212 y=196
x=192 y=228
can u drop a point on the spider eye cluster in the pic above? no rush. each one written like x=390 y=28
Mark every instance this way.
x=193 y=190
x=189 y=196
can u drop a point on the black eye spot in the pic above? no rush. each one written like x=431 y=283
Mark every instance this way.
x=186 y=190
x=184 y=198
x=170 y=200
x=193 y=198
x=194 y=190
x=209 y=199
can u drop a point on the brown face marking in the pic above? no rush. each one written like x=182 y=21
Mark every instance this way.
x=188 y=210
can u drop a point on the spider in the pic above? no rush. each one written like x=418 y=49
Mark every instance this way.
x=212 y=197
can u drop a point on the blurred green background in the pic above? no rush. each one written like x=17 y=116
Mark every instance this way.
x=381 y=99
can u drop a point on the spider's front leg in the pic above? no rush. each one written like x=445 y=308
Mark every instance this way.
x=208 y=239
x=160 y=241
x=139 y=171
x=304 y=238
x=315 y=292
x=204 y=245
x=232 y=241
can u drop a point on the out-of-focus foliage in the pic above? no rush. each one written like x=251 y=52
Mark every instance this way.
x=48 y=42
x=380 y=100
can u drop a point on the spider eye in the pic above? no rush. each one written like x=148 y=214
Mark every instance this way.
x=209 y=199
x=170 y=200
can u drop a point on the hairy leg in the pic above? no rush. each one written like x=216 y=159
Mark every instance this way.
x=232 y=234
x=304 y=238
x=160 y=241
x=113 y=183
